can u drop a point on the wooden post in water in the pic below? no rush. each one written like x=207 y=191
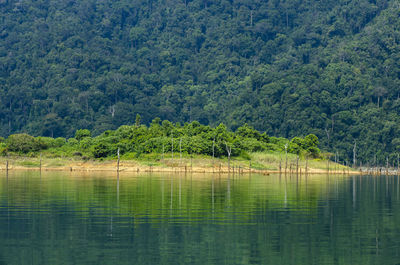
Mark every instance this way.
x=40 y=163
x=7 y=167
x=118 y=160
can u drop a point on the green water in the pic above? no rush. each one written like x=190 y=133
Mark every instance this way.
x=65 y=218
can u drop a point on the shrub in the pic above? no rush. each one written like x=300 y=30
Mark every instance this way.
x=85 y=143
x=101 y=150
x=72 y=141
x=82 y=133
x=58 y=142
x=22 y=143
x=252 y=145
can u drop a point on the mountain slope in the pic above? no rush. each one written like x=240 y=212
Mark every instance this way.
x=286 y=67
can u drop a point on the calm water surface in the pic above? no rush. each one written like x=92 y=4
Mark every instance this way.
x=68 y=218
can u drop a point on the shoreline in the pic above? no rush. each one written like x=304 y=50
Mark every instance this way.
x=135 y=167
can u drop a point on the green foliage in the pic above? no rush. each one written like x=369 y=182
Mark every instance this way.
x=135 y=141
x=325 y=67
x=82 y=133
x=137 y=121
x=295 y=145
x=102 y=150
x=22 y=143
x=72 y=141
x=85 y=143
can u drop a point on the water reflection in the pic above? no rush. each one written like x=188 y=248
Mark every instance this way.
x=198 y=219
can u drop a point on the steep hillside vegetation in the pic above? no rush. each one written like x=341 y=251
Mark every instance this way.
x=285 y=67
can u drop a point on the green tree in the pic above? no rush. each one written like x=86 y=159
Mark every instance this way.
x=82 y=133
x=22 y=143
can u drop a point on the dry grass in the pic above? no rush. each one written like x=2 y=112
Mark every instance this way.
x=258 y=161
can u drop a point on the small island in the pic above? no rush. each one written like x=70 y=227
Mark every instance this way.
x=166 y=146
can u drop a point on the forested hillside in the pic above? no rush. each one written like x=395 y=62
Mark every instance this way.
x=287 y=67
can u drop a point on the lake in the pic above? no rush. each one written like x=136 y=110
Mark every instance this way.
x=97 y=218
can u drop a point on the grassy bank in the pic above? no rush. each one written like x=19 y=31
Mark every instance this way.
x=256 y=162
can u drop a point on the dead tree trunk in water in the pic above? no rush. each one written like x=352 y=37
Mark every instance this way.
x=118 y=160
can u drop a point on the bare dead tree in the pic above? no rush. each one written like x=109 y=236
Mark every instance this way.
x=112 y=110
x=172 y=148
x=229 y=151
x=213 y=147
x=118 y=160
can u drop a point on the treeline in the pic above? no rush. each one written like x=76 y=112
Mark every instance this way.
x=286 y=67
x=160 y=138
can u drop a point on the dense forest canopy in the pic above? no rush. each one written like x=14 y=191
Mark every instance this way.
x=286 y=67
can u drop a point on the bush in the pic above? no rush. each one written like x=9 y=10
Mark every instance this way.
x=23 y=143
x=72 y=141
x=245 y=155
x=58 y=142
x=314 y=152
x=44 y=142
x=82 y=133
x=252 y=145
x=102 y=150
x=85 y=143
x=48 y=142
